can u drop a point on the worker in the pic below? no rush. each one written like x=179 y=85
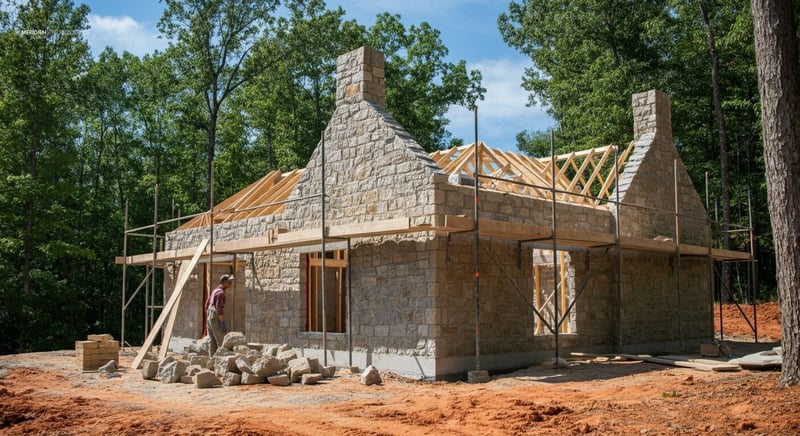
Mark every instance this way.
x=216 y=313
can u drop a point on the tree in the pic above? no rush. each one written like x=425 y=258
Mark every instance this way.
x=43 y=59
x=420 y=85
x=778 y=66
x=215 y=39
x=588 y=57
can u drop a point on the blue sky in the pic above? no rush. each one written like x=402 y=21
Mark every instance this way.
x=468 y=29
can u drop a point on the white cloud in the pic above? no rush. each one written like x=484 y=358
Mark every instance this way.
x=122 y=34
x=504 y=111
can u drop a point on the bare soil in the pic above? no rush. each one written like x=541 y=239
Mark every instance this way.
x=42 y=393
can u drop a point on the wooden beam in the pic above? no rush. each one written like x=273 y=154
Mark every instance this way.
x=161 y=256
x=176 y=295
x=162 y=353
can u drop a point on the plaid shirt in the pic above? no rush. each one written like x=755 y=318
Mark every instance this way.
x=218 y=300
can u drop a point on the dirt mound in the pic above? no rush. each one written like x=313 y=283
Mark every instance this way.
x=741 y=320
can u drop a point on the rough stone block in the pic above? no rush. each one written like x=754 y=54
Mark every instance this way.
x=269 y=351
x=194 y=369
x=298 y=367
x=370 y=376
x=267 y=366
x=279 y=380
x=199 y=360
x=243 y=365
x=241 y=349
x=287 y=355
x=149 y=369
x=187 y=379
x=172 y=372
x=328 y=371
x=226 y=364
x=232 y=379
x=315 y=365
x=310 y=379
x=205 y=379
x=164 y=362
x=222 y=351
x=232 y=339
x=252 y=379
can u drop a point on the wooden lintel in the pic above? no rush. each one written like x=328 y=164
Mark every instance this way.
x=371 y=228
x=161 y=256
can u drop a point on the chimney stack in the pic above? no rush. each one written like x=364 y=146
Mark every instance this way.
x=652 y=114
x=360 y=76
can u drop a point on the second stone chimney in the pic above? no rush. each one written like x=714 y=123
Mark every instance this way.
x=360 y=76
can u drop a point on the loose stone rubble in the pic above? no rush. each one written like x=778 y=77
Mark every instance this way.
x=237 y=362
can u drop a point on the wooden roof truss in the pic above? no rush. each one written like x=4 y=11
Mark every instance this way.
x=583 y=177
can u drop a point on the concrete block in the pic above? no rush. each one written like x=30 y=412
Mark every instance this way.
x=279 y=380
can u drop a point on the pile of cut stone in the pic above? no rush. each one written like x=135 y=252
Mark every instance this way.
x=238 y=363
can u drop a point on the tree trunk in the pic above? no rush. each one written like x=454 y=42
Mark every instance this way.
x=724 y=184
x=777 y=61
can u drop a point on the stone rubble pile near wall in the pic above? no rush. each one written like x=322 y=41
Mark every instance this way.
x=239 y=363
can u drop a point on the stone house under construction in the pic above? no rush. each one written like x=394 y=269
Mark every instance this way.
x=600 y=273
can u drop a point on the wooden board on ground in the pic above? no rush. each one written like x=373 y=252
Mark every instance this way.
x=685 y=364
x=176 y=294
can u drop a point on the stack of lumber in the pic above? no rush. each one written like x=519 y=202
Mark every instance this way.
x=96 y=351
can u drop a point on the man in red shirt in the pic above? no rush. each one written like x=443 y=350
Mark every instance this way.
x=216 y=313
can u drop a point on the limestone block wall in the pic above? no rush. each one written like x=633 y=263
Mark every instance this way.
x=653 y=311
x=373 y=171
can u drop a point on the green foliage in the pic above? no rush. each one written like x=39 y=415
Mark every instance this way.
x=420 y=85
x=589 y=56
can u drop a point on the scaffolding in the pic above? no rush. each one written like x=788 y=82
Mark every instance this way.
x=500 y=171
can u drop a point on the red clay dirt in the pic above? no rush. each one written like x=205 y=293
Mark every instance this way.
x=42 y=393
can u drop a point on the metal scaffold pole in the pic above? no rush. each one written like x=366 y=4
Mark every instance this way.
x=556 y=316
x=322 y=243
x=477 y=250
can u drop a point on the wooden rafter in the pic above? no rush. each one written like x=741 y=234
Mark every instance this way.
x=578 y=175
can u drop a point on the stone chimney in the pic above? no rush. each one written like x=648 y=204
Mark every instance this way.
x=652 y=114
x=360 y=76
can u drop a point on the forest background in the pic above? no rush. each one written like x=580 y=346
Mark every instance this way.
x=82 y=135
